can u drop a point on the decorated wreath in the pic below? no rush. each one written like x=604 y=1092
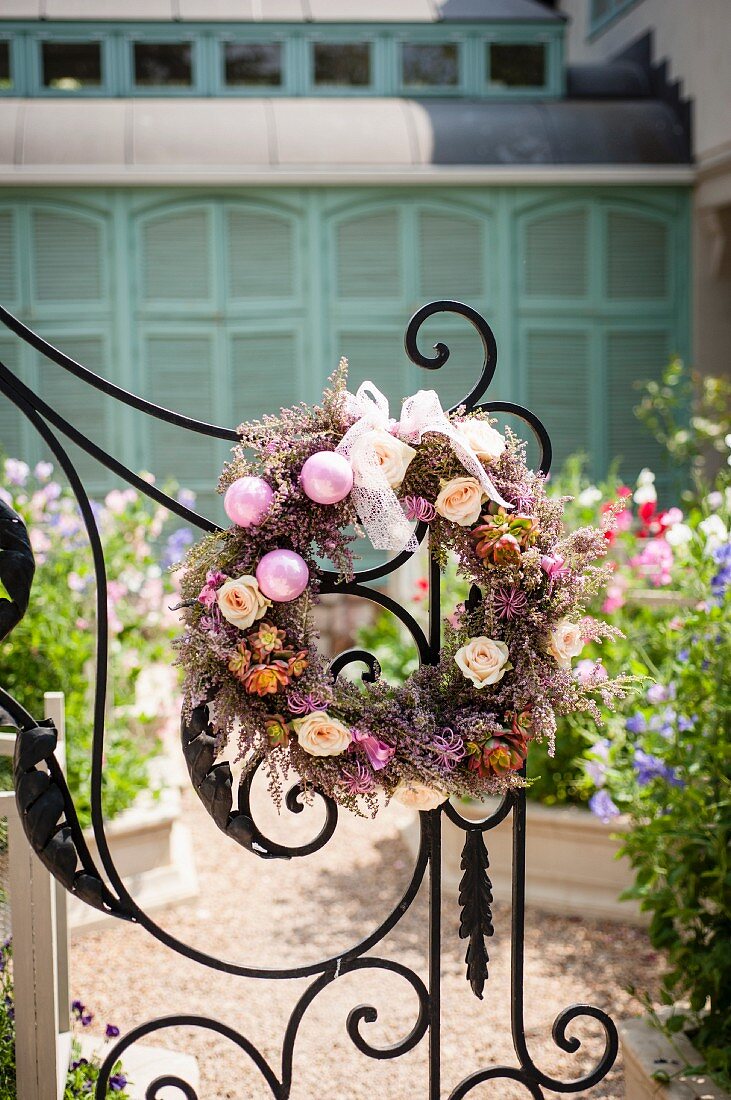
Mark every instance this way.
x=301 y=487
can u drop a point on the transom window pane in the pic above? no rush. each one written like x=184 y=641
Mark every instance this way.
x=164 y=64
x=430 y=65
x=69 y=66
x=517 y=64
x=253 y=63
x=5 y=79
x=342 y=64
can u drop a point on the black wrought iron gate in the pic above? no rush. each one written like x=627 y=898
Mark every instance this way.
x=52 y=826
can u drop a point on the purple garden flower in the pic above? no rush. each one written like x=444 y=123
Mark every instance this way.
x=597 y=769
x=603 y=807
x=722 y=579
x=176 y=545
x=16 y=471
x=637 y=723
x=111 y=1031
x=659 y=693
x=117 y=1082
x=649 y=767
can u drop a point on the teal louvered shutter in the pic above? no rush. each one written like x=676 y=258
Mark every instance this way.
x=637 y=257
x=8 y=273
x=175 y=257
x=12 y=439
x=632 y=357
x=368 y=256
x=83 y=406
x=375 y=355
x=179 y=373
x=451 y=256
x=264 y=374
x=557 y=365
x=68 y=260
x=260 y=253
x=555 y=260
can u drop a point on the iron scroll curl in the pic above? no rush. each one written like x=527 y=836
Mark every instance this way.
x=73 y=866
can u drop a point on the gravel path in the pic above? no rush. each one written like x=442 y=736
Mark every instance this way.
x=286 y=914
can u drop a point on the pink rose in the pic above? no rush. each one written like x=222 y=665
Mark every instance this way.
x=460 y=501
x=417 y=796
x=242 y=602
x=320 y=735
x=484 y=661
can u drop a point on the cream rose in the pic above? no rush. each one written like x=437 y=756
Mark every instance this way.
x=392 y=455
x=483 y=661
x=460 y=501
x=242 y=602
x=418 y=796
x=486 y=442
x=565 y=641
x=321 y=735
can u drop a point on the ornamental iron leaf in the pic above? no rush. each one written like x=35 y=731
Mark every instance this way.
x=475 y=897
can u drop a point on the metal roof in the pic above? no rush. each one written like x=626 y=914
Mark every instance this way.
x=295 y=11
x=146 y=140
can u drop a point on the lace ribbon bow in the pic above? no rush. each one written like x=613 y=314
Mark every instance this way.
x=377 y=505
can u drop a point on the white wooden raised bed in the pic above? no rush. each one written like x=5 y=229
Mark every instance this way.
x=648 y=1051
x=153 y=852
x=571 y=860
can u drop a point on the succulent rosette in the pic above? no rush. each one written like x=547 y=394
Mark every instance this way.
x=462 y=727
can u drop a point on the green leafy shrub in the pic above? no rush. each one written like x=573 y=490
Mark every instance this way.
x=53 y=647
x=689 y=414
x=669 y=769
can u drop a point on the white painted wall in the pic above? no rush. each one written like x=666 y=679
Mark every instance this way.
x=694 y=36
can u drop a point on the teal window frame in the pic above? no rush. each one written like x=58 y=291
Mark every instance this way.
x=599 y=23
x=278 y=37
x=554 y=84
x=70 y=35
x=385 y=41
x=417 y=37
x=177 y=34
x=13 y=66
x=342 y=38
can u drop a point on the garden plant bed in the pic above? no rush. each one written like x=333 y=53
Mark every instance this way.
x=648 y=1051
x=571 y=864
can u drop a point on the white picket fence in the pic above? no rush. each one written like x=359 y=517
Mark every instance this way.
x=37 y=906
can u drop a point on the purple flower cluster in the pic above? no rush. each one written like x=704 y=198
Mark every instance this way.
x=649 y=767
x=722 y=579
x=602 y=805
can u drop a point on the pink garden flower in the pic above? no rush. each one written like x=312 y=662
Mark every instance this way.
x=654 y=562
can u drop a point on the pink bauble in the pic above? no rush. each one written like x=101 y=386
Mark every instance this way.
x=326 y=477
x=282 y=575
x=247 y=501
